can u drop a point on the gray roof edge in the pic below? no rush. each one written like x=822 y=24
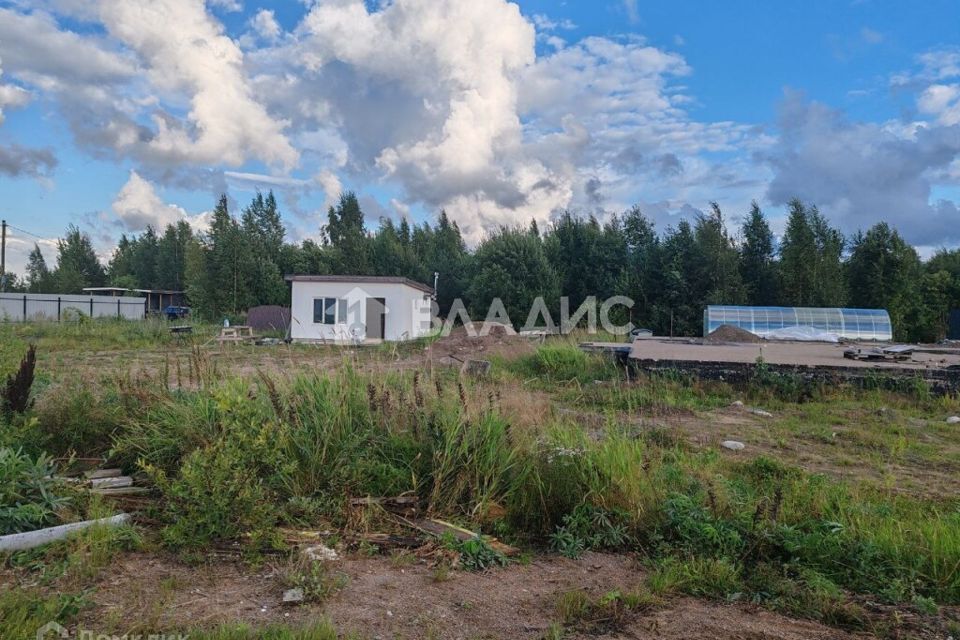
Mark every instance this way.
x=360 y=280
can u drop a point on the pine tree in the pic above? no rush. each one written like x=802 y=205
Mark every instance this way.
x=77 y=263
x=757 y=260
x=717 y=275
x=884 y=272
x=443 y=251
x=347 y=236
x=798 y=256
x=644 y=282
x=263 y=233
x=38 y=275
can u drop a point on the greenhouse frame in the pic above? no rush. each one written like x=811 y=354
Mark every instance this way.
x=850 y=324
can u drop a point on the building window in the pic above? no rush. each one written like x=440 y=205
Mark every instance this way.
x=329 y=311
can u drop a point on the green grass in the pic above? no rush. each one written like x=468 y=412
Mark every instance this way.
x=235 y=457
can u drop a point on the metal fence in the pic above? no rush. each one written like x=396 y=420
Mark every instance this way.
x=21 y=307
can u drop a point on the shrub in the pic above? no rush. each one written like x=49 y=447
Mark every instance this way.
x=215 y=498
x=29 y=496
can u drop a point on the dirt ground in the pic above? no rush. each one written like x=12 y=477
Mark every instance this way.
x=386 y=599
x=848 y=450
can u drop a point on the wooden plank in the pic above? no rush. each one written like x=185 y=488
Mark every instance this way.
x=111 y=483
x=439 y=528
x=96 y=474
x=404 y=501
x=121 y=491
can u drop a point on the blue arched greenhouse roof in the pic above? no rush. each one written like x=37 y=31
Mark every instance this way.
x=852 y=324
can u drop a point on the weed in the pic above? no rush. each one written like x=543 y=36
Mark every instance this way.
x=314 y=578
x=15 y=394
x=441 y=573
x=30 y=497
x=589 y=528
x=477 y=555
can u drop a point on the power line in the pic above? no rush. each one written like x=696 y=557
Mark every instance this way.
x=29 y=233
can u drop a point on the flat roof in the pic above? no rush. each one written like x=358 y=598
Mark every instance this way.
x=363 y=280
x=163 y=291
x=805 y=354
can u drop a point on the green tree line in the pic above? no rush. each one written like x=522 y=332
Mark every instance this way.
x=241 y=260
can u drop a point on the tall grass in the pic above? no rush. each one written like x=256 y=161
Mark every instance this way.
x=220 y=454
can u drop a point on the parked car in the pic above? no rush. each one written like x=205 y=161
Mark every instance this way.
x=176 y=313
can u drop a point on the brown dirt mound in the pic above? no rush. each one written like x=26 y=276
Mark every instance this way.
x=730 y=333
x=479 y=342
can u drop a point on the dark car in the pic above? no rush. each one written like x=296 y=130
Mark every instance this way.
x=176 y=313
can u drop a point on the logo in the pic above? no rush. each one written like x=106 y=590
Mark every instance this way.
x=52 y=630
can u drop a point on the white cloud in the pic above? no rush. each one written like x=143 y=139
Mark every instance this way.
x=546 y=23
x=941 y=101
x=229 y=6
x=265 y=24
x=138 y=206
x=33 y=46
x=11 y=96
x=198 y=62
x=331 y=185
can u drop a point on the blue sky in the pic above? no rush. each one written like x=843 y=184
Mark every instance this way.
x=116 y=115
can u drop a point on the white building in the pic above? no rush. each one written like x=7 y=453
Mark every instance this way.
x=354 y=309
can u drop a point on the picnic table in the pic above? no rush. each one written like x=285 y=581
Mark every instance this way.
x=236 y=333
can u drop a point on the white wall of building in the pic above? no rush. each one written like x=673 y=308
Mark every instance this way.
x=408 y=311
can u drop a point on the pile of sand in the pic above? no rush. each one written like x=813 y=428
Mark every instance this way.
x=730 y=333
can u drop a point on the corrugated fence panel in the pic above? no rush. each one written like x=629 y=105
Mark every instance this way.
x=17 y=307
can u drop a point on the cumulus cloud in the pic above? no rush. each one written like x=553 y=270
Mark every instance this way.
x=138 y=206
x=168 y=98
x=481 y=126
x=459 y=78
x=198 y=61
x=861 y=173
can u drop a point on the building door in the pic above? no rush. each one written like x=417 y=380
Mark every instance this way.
x=376 y=318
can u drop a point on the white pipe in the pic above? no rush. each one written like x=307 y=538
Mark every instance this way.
x=31 y=539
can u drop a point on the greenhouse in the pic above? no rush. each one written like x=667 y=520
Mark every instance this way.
x=850 y=324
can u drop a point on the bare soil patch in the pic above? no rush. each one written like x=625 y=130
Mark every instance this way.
x=387 y=599
x=464 y=343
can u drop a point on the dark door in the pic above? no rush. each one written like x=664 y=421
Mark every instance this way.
x=376 y=318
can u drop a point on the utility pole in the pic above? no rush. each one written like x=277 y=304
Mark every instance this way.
x=3 y=255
